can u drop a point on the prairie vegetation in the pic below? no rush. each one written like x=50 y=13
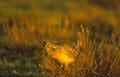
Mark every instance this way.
x=93 y=60
x=25 y=25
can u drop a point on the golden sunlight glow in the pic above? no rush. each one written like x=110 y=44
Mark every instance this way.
x=64 y=54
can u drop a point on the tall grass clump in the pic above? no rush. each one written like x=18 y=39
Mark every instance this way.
x=98 y=59
x=93 y=60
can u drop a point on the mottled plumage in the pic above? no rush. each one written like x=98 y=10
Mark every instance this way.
x=63 y=53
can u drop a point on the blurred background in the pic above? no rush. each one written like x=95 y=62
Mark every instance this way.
x=26 y=24
x=58 y=20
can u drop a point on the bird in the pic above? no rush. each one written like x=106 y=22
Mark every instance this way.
x=62 y=53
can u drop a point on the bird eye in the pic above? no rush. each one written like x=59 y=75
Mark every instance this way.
x=48 y=47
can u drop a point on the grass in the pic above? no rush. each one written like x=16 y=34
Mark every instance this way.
x=25 y=25
x=48 y=13
x=94 y=59
x=21 y=57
